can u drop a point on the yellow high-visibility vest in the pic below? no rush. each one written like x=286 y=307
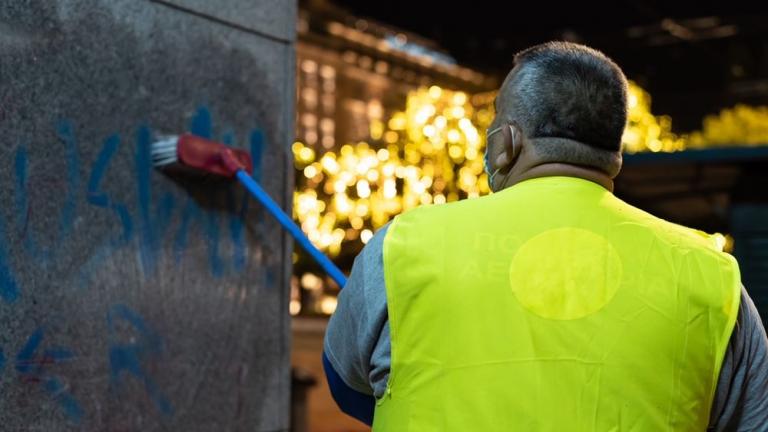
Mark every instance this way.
x=553 y=306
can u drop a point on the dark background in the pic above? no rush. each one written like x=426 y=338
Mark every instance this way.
x=693 y=57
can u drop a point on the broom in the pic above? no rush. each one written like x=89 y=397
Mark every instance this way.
x=196 y=154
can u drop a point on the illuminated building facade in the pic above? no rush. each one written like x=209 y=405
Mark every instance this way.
x=353 y=75
x=351 y=71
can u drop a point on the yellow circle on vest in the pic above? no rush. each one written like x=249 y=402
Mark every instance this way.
x=565 y=273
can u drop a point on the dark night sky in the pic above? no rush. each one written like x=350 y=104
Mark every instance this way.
x=691 y=66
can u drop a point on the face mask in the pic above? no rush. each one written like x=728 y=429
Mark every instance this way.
x=486 y=165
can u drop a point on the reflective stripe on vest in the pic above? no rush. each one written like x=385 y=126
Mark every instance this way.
x=552 y=306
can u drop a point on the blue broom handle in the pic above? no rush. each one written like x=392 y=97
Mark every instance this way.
x=291 y=226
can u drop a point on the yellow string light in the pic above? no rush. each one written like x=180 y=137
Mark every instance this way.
x=740 y=125
x=428 y=153
x=645 y=131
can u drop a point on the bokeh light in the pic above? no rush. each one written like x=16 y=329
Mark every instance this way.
x=431 y=152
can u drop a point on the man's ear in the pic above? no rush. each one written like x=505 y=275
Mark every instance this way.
x=511 y=146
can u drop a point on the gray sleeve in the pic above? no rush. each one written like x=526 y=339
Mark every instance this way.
x=741 y=400
x=357 y=338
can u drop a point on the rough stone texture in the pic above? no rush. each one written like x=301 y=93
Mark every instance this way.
x=270 y=17
x=130 y=299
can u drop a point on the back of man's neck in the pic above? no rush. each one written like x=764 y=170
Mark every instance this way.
x=556 y=169
x=550 y=157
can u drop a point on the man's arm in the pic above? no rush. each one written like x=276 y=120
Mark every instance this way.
x=350 y=401
x=355 y=360
x=741 y=400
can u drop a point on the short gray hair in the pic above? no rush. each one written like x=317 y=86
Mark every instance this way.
x=570 y=91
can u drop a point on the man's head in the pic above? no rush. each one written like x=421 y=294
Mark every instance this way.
x=565 y=101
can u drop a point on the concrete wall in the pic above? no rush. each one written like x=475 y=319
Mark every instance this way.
x=131 y=300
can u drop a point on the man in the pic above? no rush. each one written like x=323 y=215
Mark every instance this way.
x=550 y=305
